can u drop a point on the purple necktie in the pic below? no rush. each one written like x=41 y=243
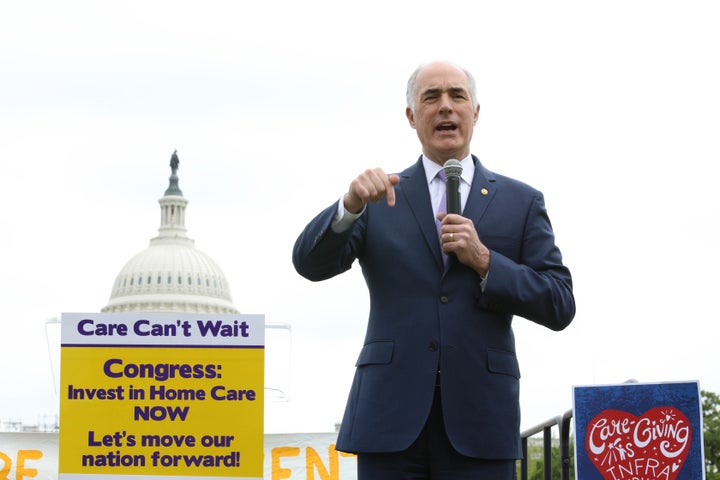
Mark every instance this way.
x=442 y=207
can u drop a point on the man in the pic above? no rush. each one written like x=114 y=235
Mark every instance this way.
x=436 y=389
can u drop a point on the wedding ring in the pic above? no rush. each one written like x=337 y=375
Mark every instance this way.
x=452 y=235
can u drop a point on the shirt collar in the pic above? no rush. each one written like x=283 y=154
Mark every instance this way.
x=432 y=169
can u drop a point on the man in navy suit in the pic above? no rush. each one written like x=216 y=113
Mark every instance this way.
x=436 y=388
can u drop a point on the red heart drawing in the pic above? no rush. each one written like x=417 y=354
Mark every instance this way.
x=650 y=447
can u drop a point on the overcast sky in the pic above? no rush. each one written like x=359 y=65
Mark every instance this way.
x=611 y=108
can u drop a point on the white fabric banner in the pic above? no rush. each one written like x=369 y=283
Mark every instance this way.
x=296 y=456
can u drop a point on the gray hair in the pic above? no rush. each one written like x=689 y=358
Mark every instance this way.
x=411 y=93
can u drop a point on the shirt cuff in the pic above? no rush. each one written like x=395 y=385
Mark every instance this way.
x=343 y=219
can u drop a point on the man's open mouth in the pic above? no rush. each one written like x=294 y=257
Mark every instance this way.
x=446 y=127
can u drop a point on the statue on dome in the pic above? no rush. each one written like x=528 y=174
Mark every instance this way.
x=174 y=162
x=173 y=188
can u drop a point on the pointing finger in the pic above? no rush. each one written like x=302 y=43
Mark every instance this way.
x=392 y=181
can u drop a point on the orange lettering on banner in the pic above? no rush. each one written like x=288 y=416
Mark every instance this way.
x=278 y=473
x=344 y=454
x=313 y=461
x=7 y=463
x=20 y=471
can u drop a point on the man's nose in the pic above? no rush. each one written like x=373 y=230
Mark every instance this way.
x=445 y=104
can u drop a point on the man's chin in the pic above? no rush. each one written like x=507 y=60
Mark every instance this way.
x=443 y=154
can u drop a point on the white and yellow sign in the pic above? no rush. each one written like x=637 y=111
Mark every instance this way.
x=167 y=395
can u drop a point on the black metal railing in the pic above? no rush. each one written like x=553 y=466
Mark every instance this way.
x=563 y=423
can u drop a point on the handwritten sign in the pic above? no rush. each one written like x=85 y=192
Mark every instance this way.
x=164 y=395
x=639 y=432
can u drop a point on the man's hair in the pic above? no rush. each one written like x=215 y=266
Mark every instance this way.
x=411 y=93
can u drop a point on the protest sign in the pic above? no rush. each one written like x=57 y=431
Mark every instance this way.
x=637 y=431
x=170 y=395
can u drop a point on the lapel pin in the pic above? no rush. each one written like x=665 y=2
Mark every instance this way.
x=484 y=191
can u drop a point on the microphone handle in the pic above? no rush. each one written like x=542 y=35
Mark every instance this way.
x=452 y=194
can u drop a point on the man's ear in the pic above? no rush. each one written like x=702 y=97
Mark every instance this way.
x=410 y=116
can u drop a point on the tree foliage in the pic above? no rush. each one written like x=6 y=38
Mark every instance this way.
x=711 y=434
x=537 y=471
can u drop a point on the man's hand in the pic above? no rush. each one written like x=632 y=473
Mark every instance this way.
x=370 y=186
x=458 y=236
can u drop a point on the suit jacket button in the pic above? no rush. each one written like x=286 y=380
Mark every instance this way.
x=443 y=299
x=433 y=346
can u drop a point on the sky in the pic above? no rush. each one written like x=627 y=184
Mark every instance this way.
x=610 y=108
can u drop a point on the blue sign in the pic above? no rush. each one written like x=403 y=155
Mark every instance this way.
x=636 y=431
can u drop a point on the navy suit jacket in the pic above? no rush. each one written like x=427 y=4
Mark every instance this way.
x=426 y=317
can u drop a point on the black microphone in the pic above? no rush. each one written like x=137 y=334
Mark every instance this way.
x=453 y=169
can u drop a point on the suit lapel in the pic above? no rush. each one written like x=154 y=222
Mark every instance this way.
x=482 y=191
x=415 y=189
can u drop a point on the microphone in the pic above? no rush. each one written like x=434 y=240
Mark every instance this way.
x=453 y=169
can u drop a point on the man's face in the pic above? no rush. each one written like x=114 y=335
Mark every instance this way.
x=444 y=115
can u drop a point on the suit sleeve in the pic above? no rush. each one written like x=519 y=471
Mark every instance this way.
x=319 y=253
x=535 y=285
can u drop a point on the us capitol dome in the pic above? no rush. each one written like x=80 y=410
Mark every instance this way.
x=171 y=275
